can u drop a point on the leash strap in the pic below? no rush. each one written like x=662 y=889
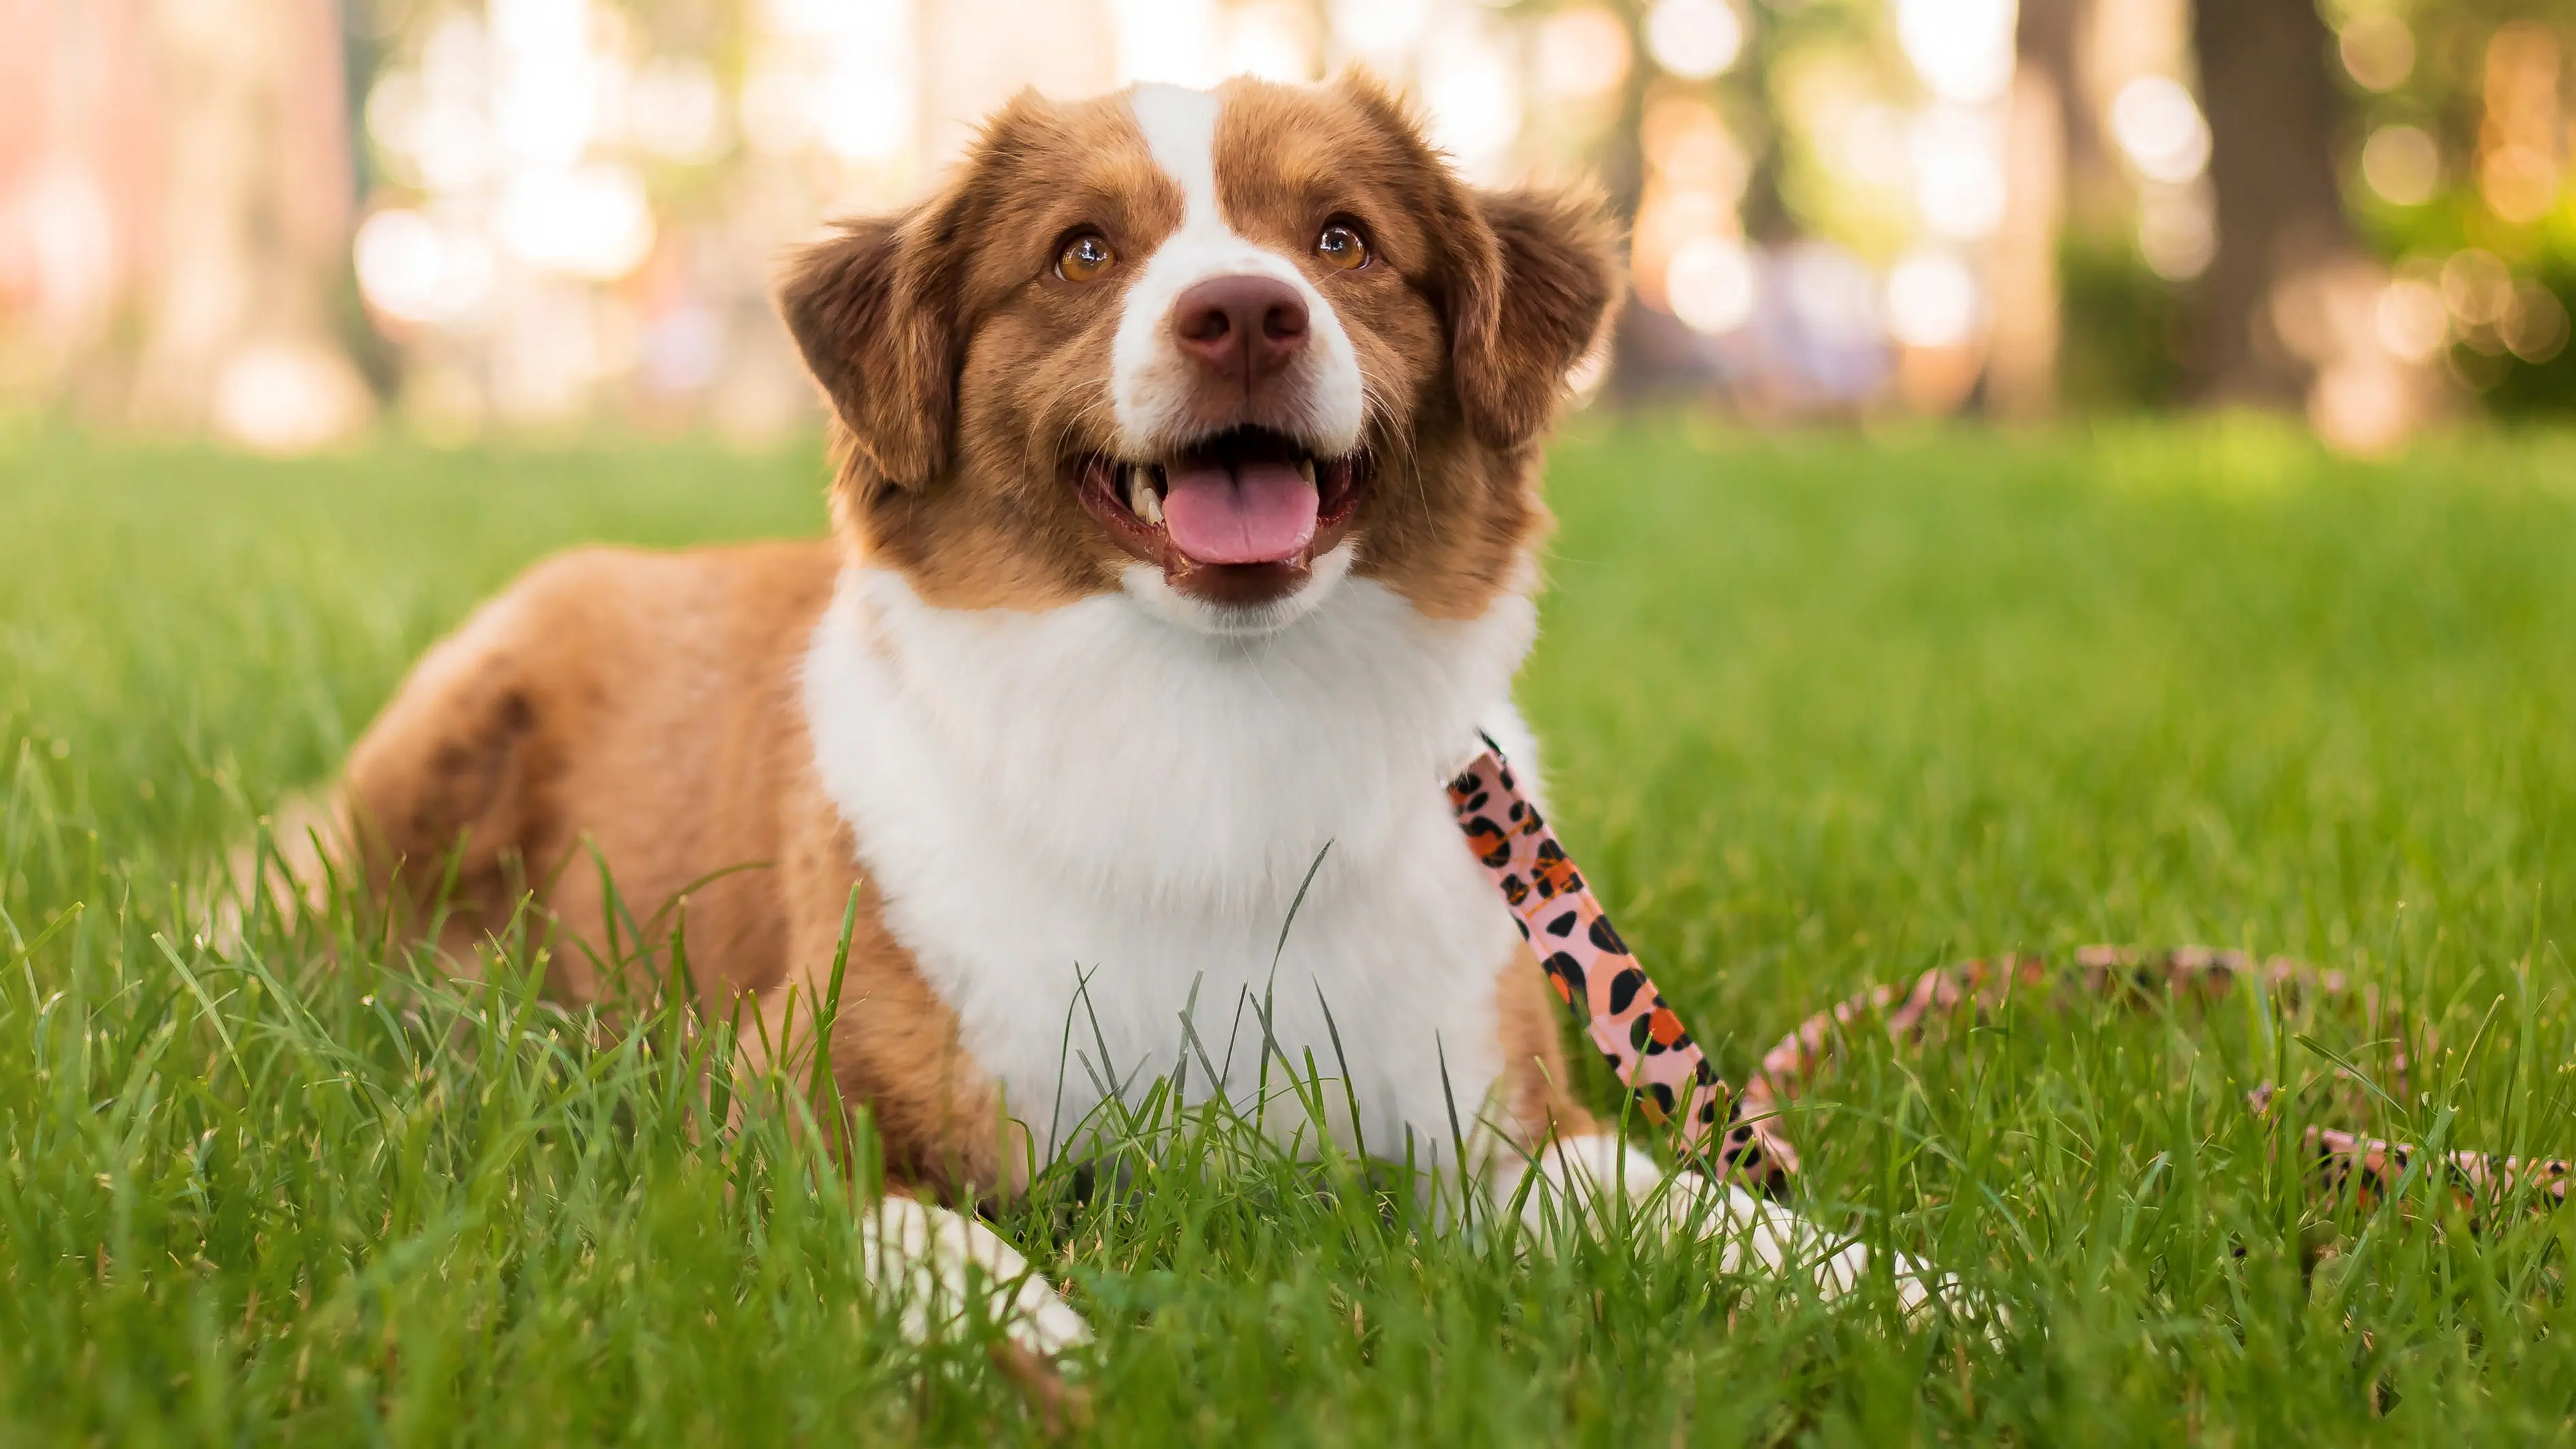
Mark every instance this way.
x=2369 y=1167
x=1655 y=1056
x=1636 y=1032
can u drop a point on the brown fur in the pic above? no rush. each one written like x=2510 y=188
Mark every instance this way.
x=634 y=716
x=644 y=710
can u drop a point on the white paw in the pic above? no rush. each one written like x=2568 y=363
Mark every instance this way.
x=1751 y=1229
x=940 y=1266
x=1577 y=1179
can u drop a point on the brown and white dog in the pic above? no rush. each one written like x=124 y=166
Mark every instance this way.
x=1185 y=535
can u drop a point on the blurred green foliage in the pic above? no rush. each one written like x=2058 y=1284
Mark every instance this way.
x=2125 y=330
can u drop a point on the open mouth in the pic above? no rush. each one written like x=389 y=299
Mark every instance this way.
x=1248 y=501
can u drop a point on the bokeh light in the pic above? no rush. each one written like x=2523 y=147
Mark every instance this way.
x=1933 y=299
x=1275 y=41
x=2517 y=170
x=675 y=110
x=1382 y=31
x=590 y=221
x=1694 y=39
x=1959 y=183
x=2378 y=50
x=1963 y=49
x=285 y=397
x=2534 y=326
x=545 y=81
x=2402 y=164
x=1174 y=42
x=2477 y=287
x=1712 y=284
x=1471 y=92
x=414 y=270
x=1689 y=146
x=2177 y=232
x=2160 y=129
x=2411 y=320
x=1582 y=52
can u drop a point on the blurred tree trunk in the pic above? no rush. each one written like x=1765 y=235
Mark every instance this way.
x=254 y=214
x=1619 y=160
x=2055 y=38
x=2272 y=111
x=1650 y=351
x=2021 y=348
x=1653 y=353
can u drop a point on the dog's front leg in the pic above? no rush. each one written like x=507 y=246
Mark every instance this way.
x=941 y=1268
x=1576 y=1179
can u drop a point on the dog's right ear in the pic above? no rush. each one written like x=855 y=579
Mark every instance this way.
x=872 y=310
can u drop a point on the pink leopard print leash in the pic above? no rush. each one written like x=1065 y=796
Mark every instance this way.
x=1647 y=1046
x=1627 y=1018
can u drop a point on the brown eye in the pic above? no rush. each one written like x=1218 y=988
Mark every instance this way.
x=1342 y=247
x=1084 y=258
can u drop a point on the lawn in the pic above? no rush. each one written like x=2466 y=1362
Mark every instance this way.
x=1820 y=710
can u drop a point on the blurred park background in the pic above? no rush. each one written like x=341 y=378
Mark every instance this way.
x=282 y=223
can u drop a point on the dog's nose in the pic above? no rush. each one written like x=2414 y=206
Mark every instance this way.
x=1242 y=328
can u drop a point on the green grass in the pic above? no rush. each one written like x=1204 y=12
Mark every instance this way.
x=1820 y=711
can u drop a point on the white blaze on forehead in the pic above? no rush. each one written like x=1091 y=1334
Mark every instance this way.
x=1180 y=129
x=1151 y=381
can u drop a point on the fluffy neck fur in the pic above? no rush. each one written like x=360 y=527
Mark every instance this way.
x=1089 y=800
x=1172 y=768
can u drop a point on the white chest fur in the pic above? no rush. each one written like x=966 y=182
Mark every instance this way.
x=1084 y=818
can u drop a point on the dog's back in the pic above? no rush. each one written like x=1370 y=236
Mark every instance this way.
x=613 y=731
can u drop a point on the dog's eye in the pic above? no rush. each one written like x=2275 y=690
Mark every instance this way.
x=1084 y=257
x=1342 y=247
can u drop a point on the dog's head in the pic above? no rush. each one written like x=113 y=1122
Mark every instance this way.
x=1216 y=350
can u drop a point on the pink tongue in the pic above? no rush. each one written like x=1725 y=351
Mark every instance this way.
x=1261 y=513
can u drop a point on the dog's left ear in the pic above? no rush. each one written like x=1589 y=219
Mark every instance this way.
x=1524 y=312
x=869 y=308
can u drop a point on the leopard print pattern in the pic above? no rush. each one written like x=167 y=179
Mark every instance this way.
x=1653 y=1054
x=1627 y=1019
x=2368 y=1169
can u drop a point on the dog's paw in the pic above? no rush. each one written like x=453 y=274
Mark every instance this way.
x=939 y=1267
x=1753 y=1231
x=1576 y=1181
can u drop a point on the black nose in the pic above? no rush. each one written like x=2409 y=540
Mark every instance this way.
x=1242 y=328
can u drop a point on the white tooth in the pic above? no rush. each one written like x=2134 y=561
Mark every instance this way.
x=1306 y=466
x=1142 y=500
